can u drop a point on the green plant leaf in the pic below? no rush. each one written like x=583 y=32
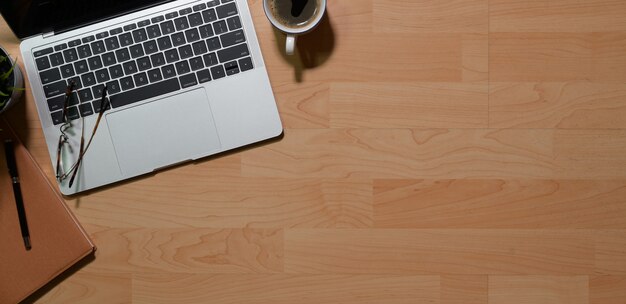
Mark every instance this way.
x=4 y=94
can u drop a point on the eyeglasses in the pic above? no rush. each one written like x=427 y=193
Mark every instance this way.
x=64 y=148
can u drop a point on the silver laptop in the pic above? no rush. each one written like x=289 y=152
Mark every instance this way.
x=184 y=80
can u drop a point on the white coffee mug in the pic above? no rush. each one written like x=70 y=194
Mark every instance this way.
x=293 y=31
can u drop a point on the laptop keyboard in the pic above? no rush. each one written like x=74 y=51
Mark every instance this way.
x=145 y=59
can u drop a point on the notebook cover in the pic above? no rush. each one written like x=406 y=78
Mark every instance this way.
x=58 y=241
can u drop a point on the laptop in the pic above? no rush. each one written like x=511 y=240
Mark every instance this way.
x=184 y=80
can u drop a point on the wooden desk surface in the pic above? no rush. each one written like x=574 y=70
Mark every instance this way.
x=435 y=151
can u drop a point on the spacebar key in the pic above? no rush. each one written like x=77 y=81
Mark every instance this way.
x=146 y=92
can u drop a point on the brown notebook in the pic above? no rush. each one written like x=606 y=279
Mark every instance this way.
x=57 y=239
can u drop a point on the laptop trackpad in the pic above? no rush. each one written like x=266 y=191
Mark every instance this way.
x=163 y=132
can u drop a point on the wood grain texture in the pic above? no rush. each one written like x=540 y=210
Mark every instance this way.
x=438 y=251
x=445 y=152
x=499 y=204
x=539 y=289
x=286 y=289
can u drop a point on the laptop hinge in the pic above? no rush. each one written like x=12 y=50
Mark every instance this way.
x=48 y=34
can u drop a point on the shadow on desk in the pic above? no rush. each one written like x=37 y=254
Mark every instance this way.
x=312 y=49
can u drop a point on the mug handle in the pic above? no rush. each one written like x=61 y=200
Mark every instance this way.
x=290 y=44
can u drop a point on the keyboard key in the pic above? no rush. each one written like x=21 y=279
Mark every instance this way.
x=85 y=109
x=136 y=51
x=181 y=23
x=76 y=80
x=199 y=7
x=245 y=64
x=85 y=95
x=143 y=23
x=182 y=67
x=143 y=63
x=72 y=113
x=56 y=103
x=209 y=15
x=130 y=27
x=116 y=71
x=211 y=59
x=56 y=59
x=213 y=43
x=231 y=68
x=113 y=87
x=126 y=39
x=88 y=79
x=233 y=38
x=218 y=72
x=164 y=43
x=112 y=43
x=88 y=39
x=60 y=47
x=127 y=83
x=233 y=23
x=122 y=55
x=116 y=31
x=157 y=59
x=84 y=51
x=98 y=47
x=178 y=39
x=97 y=105
x=195 y=19
x=70 y=55
x=140 y=35
x=155 y=75
x=157 y=19
x=102 y=75
x=102 y=35
x=130 y=67
x=220 y=27
x=204 y=76
x=150 y=47
x=54 y=88
x=171 y=56
x=57 y=117
x=153 y=31
x=206 y=31
x=185 y=11
x=109 y=59
x=168 y=71
x=141 y=79
x=185 y=51
x=188 y=80
x=45 y=51
x=94 y=63
x=150 y=91
x=97 y=91
x=74 y=43
x=226 y=10
x=171 y=15
x=196 y=63
x=73 y=99
x=42 y=63
x=50 y=75
x=213 y=3
x=192 y=35
x=233 y=52
x=81 y=67
x=167 y=28
x=199 y=48
x=67 y=71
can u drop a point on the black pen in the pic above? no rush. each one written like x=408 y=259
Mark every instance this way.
x=17 y=192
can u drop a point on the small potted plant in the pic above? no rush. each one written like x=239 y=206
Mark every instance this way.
x=11 y=81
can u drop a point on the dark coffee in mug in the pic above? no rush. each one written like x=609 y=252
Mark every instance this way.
x=295 y=13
